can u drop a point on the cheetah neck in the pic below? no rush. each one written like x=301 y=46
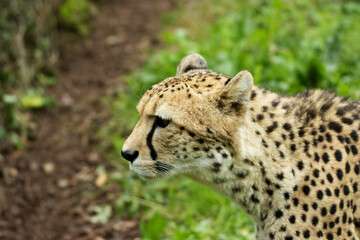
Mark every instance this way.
x=259 y=176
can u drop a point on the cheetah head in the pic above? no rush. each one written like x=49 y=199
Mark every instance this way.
x=188 y=122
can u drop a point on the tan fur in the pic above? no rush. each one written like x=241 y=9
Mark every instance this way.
x=292 y=162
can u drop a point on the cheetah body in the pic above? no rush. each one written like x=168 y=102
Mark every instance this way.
x=291 y=162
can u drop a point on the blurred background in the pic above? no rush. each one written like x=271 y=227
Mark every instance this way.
x=72 y=72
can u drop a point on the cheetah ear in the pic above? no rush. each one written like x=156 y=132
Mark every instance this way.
x=191 y=62
x=238 y=88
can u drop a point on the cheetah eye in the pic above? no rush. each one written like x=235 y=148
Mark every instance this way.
x=162 y=122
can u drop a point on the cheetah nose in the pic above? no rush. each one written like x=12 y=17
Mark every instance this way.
x=130 y=155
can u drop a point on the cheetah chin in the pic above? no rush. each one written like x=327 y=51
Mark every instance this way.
x=291 y=162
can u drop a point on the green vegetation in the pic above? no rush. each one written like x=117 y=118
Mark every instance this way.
x=28 y=52
x=27 y=56
x=288 y=46
x=75 y=15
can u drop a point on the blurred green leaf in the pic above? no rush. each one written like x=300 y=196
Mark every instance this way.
x=153 y=228
x=102 y=214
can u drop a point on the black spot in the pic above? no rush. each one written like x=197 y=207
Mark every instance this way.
x=253 y=95
x=287 y=126
x=288 y=238
x=275 y=103
x=335 y=126
x=347 y=167
x=269 y=192
x=340 y=112
x=331 y=225
x=319 y=233
x=355 y=187
x=267 y=181
x=254 y=199
x=313 y=183
x=216 y=167
x=339 y=173
x=337 y=192
x=286 y=195
x=357 y=169
x=328 y=137
x=236 y=189
x=231 y=166
x=353 y=149
x=278 y=213
x=293 y=147
x=300 y=165
x=347 y=121
x=314 y=205
x=320 y=194
x=347 y=149
x=306 y=189
x=338 y=231
x=247 y=161
x=323 y=212
x=301 y=132
x=329 y=236
x=316 y=173
x=291 y=136
x=260 y=117
x=280 y=176
x=277 y=144
x=344 y=218
x=241 y=174
x=296 y=201
x=218 y=180
x=340 y=138
x=333 y=209
x=328 y=192
x=325 y=157
x=306 y=234
x=326 y=107
x=338 y=156
x=303 y=217
x=354 y=136
x=305 y=207
x=192 y=134
x=316 y=157
x=346 y=190
x=329 y=178
x=272 y=127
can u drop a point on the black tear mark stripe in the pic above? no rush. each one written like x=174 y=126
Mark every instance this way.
x=149 y=137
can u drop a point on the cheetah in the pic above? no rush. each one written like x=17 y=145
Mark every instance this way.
x=291 y=162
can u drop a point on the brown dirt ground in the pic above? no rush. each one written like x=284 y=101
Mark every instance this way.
x=43 y=187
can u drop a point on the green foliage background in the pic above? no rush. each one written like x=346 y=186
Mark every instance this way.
x=29 y=42
x=288 y=46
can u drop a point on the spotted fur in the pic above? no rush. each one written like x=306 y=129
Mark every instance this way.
x=291 y=162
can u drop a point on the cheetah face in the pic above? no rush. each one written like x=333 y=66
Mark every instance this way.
x=187 y=122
